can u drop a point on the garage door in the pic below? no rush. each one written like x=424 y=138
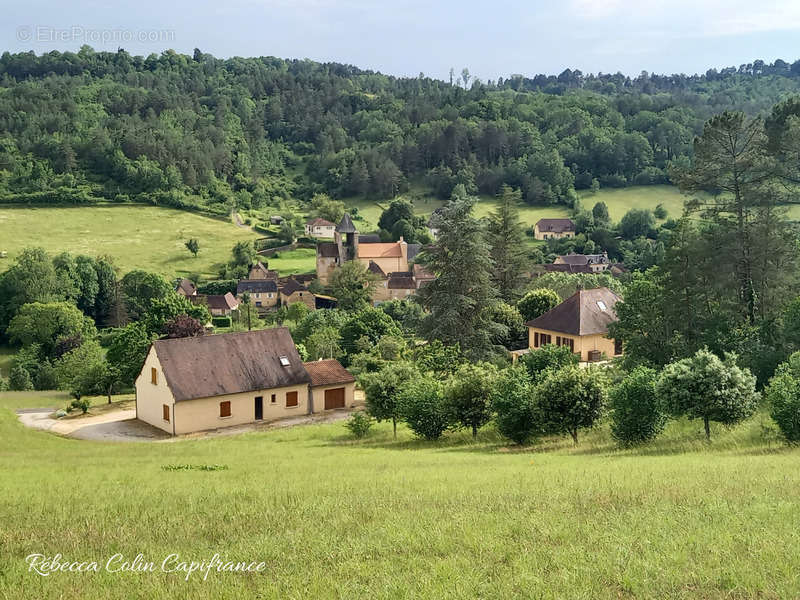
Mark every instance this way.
x=334 y=398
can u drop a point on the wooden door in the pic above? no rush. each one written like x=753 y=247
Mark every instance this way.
x=259 y=408
x=334 y=398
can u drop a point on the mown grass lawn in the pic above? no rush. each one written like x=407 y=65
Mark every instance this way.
x=621 y=200
x=137 y=237
x=300 y=260
x=335 y=518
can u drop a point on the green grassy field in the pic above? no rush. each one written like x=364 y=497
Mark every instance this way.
x=621 y=200
x=334 y=518
x=138 y=237
x=301 y=260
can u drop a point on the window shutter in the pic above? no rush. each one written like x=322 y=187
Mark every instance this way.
x=225 y=409
x=536 y=339
x=165 y=412
x=291 y=398
x=153 y=376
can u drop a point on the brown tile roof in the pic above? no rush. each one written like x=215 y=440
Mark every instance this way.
x=187 y=286
x=320 y=222
x=375 y=268
x=421 y=272
x=555 y=225
x=290 y=287
x=381 y=250
x=567 y=268
x=327 y=372
x=256 y=285
x=586 y=312
x=229 y=363
x=226 y=302
x=328 y=249
x=401 y=280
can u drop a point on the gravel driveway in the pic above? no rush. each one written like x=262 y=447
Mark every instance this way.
x=122 y=425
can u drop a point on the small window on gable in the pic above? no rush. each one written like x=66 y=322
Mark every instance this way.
x=153 y=376
x=273 y=399
x=225 y=408
x=284 y=361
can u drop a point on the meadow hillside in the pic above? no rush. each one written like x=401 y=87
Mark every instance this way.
x=152 y=238
x=335 y=518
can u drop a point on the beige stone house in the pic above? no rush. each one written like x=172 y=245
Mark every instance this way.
x=263 y=292
x=207 y=382
x=186 y=287
x=261 y=271
x=320 y=228
x=580 y=322
x=293 y=291
x=546 y=229
x=218 y=305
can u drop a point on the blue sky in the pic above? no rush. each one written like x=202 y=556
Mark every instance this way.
x=405 y=37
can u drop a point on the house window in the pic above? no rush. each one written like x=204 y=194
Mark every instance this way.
x=535 y=339
x=617 y=346
x=291 y=399
x=165 y=412
x=153 y=376
x=545 y=338
x=558 y=340
x=225 y=408
x=284 y=361
x=273 y=399
x=258 y=303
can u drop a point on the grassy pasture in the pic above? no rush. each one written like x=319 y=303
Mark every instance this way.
x=334 y=518
x=300 y=260
x=137 y=237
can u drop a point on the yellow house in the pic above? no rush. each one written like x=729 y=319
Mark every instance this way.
x=207 y=382
x=546 y=229
x=263 y=292
x=580 y=322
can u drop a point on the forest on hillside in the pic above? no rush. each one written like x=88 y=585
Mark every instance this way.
x=204 y=133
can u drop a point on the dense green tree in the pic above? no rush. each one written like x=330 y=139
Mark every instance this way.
x=382 y=390
x=705 y=387
x=45 y=324
x=32 y=278
x=468 y=395
x=462 y=291
x=140 y=289
x=505 y=235
x=513 y=400
x=370 y=325
x=353 y=285
x=128 y=350
x=570 y=399
x=538 y=363
x=422 y=406
x=537 y=302
x=637 y=222
x=192 y=245
x=636 y=412
x=324 y=343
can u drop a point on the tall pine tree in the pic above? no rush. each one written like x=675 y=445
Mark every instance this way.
x=506 y=237
x=458 y=299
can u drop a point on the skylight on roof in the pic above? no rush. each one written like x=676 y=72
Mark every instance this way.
x=601 y=304
x=284 y=360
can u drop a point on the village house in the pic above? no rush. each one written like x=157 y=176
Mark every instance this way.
x=218 y=305
x=263 y=292
x=207 y=382
x=186 y=287
x=580 y=322
x=320 y=228
x=546 y=229
x=261 y=271
x=585 y=263
x=292 y=292
x=391 y=257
